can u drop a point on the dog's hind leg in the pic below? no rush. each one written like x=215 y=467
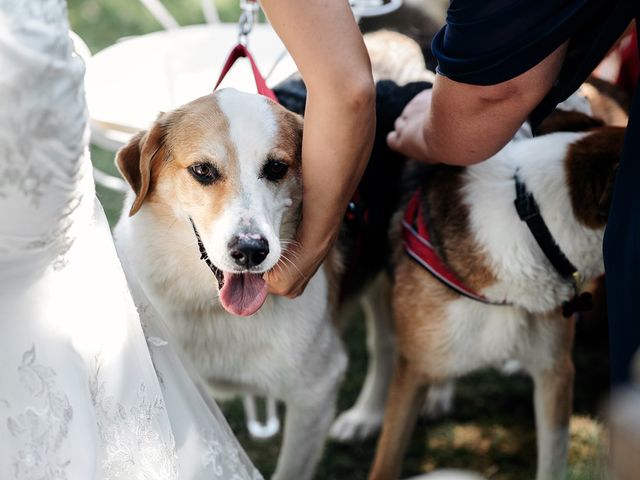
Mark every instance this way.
x=365 y=417
x=406 y=395
x=553 y=397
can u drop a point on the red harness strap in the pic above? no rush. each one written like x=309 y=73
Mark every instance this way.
x=241 y=51
x=417 y=243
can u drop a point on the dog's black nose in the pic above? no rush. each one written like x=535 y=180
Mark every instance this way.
x=248 y=250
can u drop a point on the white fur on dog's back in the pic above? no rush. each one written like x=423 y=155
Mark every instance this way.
x=525 y=276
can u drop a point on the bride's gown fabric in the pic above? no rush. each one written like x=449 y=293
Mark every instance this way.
x=80 y=397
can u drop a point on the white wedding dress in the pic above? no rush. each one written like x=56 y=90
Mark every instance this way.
x=84 y=392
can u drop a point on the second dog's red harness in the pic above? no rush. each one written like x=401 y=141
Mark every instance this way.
x=417 y=243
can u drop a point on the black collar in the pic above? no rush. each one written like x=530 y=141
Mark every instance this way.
x=205 y=256
x=529 y=212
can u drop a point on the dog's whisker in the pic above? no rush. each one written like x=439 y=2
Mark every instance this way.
x=290 y=262
x=291 y=255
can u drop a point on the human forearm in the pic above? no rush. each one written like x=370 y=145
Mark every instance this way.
x=462 y=124
x=325 y=42
x=336 y=147
x=468 y=124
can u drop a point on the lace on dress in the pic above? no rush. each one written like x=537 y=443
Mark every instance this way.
x=79 y=394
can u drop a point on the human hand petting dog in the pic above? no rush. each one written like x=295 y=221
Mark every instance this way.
x=299 y=262
x=408 y=135
x=331 y=171
x=339 y=126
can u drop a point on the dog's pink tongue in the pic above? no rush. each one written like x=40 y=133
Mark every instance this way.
x=243 y=293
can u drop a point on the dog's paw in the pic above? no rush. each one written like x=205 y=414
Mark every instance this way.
x=355 y=424
x=439 y=400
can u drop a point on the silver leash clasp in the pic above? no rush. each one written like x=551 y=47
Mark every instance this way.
x=248 y=18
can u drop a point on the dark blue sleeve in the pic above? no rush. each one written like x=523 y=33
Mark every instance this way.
x=489 y=41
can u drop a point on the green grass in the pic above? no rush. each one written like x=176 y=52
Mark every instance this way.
x=101 y=23
x=491 y=430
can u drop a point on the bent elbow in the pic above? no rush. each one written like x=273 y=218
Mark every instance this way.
x=361 y=94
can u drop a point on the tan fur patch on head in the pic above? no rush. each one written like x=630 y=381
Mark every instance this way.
x=197 y=132
x=288 y=148
x=289 y=139
x=590 y=165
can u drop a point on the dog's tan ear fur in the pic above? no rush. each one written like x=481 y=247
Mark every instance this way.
x=591 y=165
x=135 y=161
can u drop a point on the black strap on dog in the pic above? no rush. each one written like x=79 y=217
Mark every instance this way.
x=529 y=212
x=205 y=256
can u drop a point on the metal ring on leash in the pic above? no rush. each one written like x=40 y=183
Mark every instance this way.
x=248 y=18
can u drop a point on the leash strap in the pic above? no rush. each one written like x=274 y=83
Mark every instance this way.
x=241 y=51
x=205 y=256
x=417 y=244
x=529 y=212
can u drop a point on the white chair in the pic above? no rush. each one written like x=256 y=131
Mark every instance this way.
x=130 y=82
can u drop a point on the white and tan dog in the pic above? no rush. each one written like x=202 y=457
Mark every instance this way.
x=219 y=178
x=475 y=228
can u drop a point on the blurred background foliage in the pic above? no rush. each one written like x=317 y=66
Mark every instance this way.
x=491 y=430
x=101 y=23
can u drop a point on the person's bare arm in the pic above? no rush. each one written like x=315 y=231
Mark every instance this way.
x=325 y=42
x=461 y=124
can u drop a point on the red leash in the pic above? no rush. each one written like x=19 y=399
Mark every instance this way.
x=417 y=244
x=241 y=51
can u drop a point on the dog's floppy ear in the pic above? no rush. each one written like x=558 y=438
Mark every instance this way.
x=135 y=161
x=592 y=163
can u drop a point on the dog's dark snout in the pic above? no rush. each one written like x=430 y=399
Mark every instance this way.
x=248 y=250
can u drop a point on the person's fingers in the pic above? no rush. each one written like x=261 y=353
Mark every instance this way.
x=294 y=270
x=284 y=280
x=399 y=124
x=393 y=140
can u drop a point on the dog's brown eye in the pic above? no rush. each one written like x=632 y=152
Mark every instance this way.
x=205 y=173
x=274 y=170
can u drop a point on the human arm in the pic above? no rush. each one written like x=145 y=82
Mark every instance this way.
x=325 y=42
x=461 y=124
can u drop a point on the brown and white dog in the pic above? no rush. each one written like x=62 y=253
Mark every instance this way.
x=475 y=228
x=224 y=170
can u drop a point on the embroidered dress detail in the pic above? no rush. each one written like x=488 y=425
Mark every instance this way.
x=86 y=402
x=43 y=426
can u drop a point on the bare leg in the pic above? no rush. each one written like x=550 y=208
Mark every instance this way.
x=365 y=417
